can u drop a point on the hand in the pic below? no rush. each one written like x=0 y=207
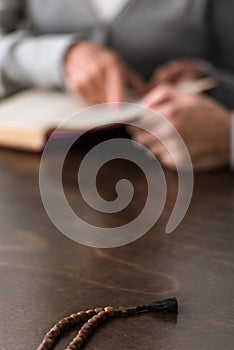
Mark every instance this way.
x=203 y=124
x=98 y=75
x=181 y=70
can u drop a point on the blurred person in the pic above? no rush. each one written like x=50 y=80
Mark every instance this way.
x=97 y=48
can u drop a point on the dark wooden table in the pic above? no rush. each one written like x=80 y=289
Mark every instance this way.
x=45 y=276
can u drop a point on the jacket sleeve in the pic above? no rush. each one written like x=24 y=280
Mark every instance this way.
x=221 y=48
x=26 y=59
x=232 y=144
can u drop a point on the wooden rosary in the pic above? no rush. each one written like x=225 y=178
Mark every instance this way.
x=93 y=318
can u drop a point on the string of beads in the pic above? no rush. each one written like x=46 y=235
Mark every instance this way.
x=91 y=319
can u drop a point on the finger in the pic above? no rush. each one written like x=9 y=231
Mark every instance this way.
x=79 y=92
x=91 y=93
x=115 y=84
x=157 y=148
x=86 y=91
x=149 y=138
x=163 y=145
x=168 y=73
x=165 y=71
x=167 y=111
x=171 y=156
x=167 y=152
x=158 y=96
x=96 y=91
x=131 y=129
x=158 y=144
x=143 y=137
x=82 y=86
x=168 y=160
x=177 y=70
x=98 y=84
x=165 y=75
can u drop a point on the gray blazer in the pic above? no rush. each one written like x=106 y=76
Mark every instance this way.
x=35 y=34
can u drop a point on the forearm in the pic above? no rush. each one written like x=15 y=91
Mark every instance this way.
x=26 y=60
x=30 y=60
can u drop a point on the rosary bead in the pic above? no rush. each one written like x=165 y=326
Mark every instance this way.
x=71 y=320
x=51 y=336
x=93 y=322
x=100 y=319
x=66 y=323
x=84 y=332
x=72 y=347
x=98 y=309
x=48 y=343
x=109 y=310
x=88 y=327
x=76 y=318
x=97 y=318
x=91 y=313
x=83 y=315
x=60 y=325
x=56 y=331
x=82 y=335
x=60 y=328
x=103 y=315
x=78 y=341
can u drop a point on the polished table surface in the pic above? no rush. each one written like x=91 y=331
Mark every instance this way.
x=44 y=276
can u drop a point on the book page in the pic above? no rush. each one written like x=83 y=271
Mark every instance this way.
x=28 y=116
x=37 y=110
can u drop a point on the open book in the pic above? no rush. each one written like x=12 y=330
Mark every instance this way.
x=27 y=118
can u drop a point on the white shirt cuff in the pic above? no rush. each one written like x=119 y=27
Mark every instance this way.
x=232 y=143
